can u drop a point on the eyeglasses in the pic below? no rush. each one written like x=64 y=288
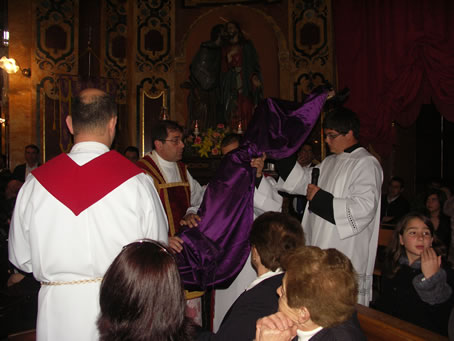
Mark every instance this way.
x=332 y=136
x=175 y=141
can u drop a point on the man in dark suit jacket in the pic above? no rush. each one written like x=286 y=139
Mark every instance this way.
x=31 y=162
x=273 y=235
x=239 y=322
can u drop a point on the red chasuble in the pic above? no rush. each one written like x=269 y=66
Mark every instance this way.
x=175 y=197
x=79 y=187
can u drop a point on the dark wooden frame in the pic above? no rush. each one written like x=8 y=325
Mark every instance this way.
x=195 y=3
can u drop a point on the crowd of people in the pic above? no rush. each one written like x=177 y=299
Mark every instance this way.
x=95 y=236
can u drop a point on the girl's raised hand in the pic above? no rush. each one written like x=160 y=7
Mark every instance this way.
x=430 y=262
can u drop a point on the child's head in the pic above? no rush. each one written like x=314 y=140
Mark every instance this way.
x=434 y=200
x=413 y=234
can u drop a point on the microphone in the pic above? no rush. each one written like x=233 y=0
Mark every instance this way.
x=315 y=174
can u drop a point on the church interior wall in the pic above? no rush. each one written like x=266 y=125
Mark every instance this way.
x=291 y=68
x=20 y=97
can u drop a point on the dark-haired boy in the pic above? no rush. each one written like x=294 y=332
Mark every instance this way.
x=344 y=208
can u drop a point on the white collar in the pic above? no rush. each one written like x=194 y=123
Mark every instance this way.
x=162 y=162
x=266 y=275
x=306 y=335
x=92 y=146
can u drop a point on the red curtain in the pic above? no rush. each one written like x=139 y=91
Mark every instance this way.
x=394 y=56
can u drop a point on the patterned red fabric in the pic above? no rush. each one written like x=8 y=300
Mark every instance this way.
x=79 y=187
x=175 y=197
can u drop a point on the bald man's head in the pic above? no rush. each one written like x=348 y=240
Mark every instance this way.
x=91 y=111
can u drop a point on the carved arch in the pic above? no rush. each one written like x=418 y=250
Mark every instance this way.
x=282 y=40
x=283 y=63
x=283 y=53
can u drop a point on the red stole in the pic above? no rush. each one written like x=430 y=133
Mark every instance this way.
x=175 y=197
x=79 y=187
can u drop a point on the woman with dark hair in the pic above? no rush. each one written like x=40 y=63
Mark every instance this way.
x=416 y=284
x=435 y=200
x=272 y=237
x=142 y=298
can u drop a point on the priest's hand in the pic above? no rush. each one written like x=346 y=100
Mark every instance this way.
x=176 y=244
x=190 y=220
x=311 y=191
x=259 y=163
x=331 y=94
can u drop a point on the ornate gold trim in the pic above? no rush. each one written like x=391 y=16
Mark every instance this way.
x=174 y=184
x=143 y=93
x=42 y=108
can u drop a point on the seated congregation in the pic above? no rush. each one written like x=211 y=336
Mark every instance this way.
x=301 y=293
x=142 y=297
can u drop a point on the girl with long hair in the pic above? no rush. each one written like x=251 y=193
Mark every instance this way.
x=417 y=285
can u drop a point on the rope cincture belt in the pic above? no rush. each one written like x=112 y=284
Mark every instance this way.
x=80 y=281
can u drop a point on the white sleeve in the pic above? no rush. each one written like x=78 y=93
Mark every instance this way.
x=266 y=197
x=357 y=209
x=297 y=180
x=18 y=242
x=155 y=220
x=197 y=193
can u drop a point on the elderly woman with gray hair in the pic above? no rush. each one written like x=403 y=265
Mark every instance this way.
x=316 y=299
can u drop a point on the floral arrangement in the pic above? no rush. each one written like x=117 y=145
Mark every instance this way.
x=208 y=143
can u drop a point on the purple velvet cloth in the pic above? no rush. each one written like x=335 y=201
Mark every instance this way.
x=215 y=252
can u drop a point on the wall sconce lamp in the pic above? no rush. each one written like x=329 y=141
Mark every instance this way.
x=10 y=66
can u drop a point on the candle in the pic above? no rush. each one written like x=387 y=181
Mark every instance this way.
x=239 y=131
x=164 y=114
x=196 y=128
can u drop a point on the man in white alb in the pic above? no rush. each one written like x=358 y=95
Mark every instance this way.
x=344 y=208
x=73 y=216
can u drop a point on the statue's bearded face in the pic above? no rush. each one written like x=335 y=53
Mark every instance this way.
x=232 y=31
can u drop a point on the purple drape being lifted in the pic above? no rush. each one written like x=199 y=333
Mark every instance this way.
x=215 y=252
